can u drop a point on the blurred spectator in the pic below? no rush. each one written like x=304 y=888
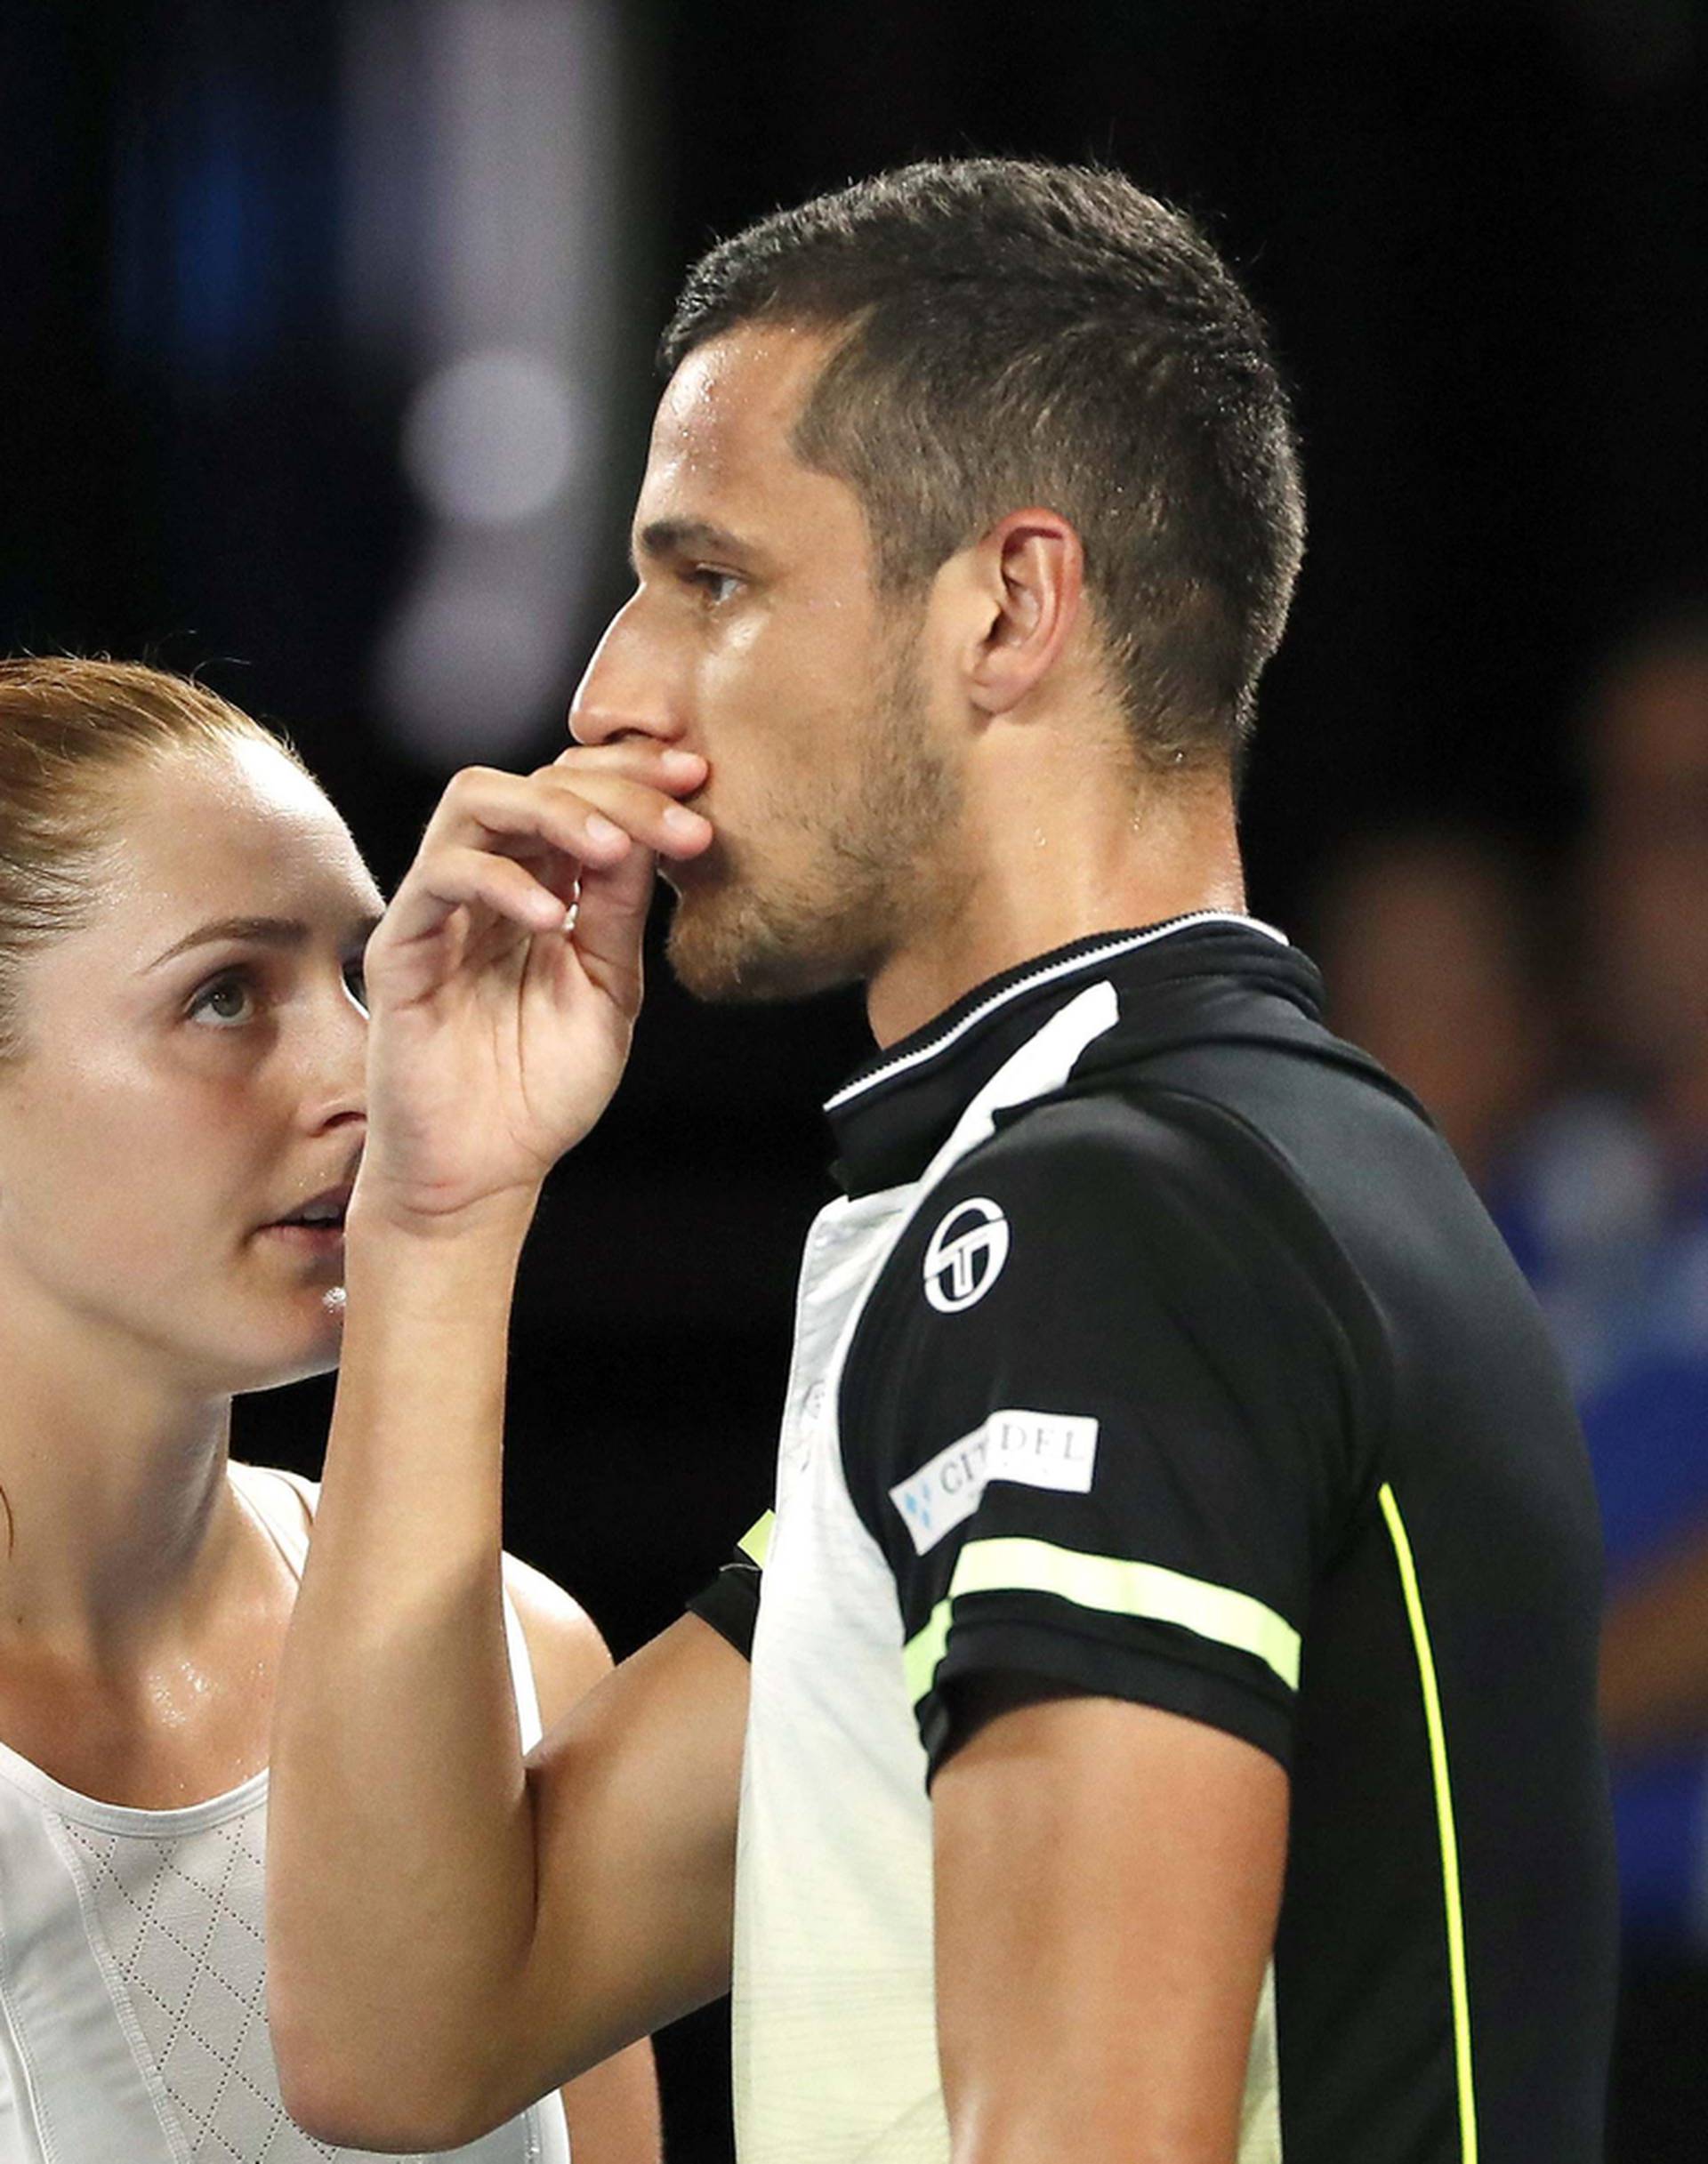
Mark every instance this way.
x=1428 y=942
x=1606 y=1208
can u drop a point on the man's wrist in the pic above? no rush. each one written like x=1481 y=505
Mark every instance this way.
x=379 y=1221
x=447 y=1268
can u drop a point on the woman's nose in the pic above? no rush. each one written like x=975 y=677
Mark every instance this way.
x=335 y=1080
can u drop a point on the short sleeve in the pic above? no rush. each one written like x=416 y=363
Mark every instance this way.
x=1104 y=1418
x=730 y=1602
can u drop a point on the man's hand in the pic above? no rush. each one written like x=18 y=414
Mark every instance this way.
x=453 y=1931
x=505 y=977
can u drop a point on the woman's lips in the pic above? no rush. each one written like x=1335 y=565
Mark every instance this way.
x=316 y=1226
x=312 y=1237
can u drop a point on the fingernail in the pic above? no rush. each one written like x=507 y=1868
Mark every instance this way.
x=682 y=821
x=682 y=762
x=601 y=829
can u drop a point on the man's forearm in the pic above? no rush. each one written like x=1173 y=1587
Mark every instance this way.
x=401 y=1856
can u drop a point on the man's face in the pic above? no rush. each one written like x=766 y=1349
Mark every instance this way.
x=756 y=638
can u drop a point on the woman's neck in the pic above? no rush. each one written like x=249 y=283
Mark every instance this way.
x=118 y=1520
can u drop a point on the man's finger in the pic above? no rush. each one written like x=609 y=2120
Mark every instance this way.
x=667 y=766
x=610 y=923
x=593 y=816
x=449 y=878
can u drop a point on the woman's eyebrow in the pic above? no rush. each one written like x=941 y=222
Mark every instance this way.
x=261 y=931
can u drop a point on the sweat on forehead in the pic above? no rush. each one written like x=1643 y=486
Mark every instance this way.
x=725 y=478
x=737 y=398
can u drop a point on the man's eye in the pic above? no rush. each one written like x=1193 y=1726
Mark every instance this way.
x=356 y=980
x=716 y=586
x=224 y=1003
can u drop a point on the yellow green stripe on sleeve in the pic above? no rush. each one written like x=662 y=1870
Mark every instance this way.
x=755 y=1543
x=1445 y=1825
x=1113 y=1585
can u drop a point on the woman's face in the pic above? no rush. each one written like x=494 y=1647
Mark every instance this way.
x=192 y=1076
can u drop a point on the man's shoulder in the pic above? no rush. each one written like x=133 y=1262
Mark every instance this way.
x=1133 y=1161
x=1137 y=1125
x=1093 y=1229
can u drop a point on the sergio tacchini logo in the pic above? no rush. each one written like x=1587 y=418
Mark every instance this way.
x=966 y=1255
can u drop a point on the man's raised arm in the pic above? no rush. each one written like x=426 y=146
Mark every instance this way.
x=452 y=1931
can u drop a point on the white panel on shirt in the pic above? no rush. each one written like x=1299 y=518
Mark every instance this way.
x=835 y=2041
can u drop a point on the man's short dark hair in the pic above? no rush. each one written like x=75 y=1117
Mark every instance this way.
x=1022 y=333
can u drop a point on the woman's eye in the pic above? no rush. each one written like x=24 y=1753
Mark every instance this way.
x=227 y=1002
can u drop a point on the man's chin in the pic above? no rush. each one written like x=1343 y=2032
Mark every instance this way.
x=725 y=955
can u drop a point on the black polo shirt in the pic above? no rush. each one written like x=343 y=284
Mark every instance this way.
x=1201 y=1378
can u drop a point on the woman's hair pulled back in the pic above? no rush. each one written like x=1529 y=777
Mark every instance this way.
x=71 y=730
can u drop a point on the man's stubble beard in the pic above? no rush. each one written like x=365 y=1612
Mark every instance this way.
x=872 y=879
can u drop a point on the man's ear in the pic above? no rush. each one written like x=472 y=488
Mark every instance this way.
x=1029 y=571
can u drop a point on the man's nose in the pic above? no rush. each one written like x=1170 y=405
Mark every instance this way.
x=626 y=689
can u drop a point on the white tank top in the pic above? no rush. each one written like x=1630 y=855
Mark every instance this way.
x=132 y=2014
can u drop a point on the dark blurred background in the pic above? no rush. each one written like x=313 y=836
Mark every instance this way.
x=326 y=368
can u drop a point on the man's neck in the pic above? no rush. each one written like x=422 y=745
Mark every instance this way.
x=1031 y=869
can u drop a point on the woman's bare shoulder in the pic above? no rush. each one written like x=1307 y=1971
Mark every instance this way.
x=568 y=1654
x=564 y=1644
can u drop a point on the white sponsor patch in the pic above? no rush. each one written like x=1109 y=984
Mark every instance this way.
x=1040 y=1449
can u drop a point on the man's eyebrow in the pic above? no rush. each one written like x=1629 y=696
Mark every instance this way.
x=252 y=931
x=663 y=537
